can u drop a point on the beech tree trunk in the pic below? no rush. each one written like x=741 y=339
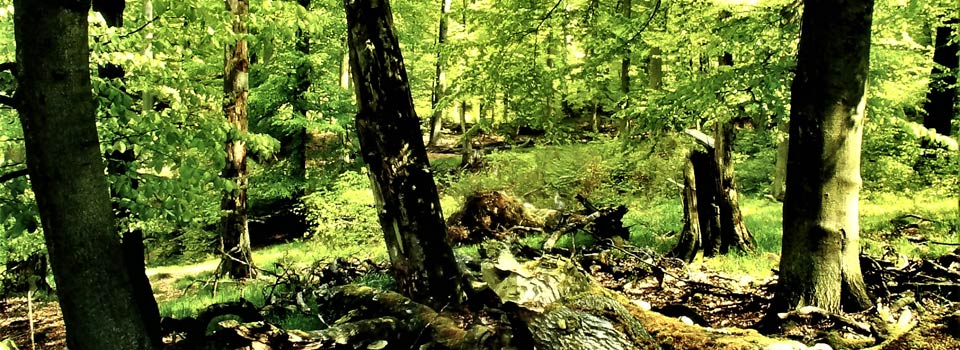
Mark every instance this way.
x=298 y=151
x=439 y=86
x=392 y=146
x=58 y=116
x=942 y=96
x=819 y=264
x=625 y=62
x=779 y=186
x=237 y=260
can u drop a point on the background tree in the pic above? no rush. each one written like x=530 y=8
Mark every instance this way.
x=393 y=149
x=237 y=261
x=941 y=101
x=57 y=112
x=820 y=263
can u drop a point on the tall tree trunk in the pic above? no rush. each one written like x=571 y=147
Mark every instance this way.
x=819 y=264
x=466 y=157
x=58 y=116
x=392 y=146
x=147 y=102
x=345 y=66
x=298 y=154
x=237 y=260
x=942 y=96
x=654 y=62
x=439 y=86
x=779 y=186
x=625 y=62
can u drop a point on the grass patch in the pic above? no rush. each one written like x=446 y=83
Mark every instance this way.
x=198 y=297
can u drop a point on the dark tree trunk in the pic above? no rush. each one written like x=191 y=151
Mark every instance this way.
x=237 y=260
x=819 y=264
x=298 y=154
x=733 y=232
x=716 y=214
x=58 y=116
x=625 y=62
x=439 y=86
x=690 y=238
x=942 y=96
x=392 y=146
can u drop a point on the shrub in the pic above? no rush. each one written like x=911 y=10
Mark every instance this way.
x=345 y=213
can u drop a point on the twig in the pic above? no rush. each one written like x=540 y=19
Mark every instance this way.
x=33 y=343
x=915 y=216
x=8 y=100
x=140 y=28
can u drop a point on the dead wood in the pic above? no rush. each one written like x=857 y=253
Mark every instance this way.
x=494 y=215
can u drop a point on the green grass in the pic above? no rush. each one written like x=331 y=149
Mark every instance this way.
x=200 y=295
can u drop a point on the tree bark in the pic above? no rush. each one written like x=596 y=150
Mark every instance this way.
x=439 y=86
x=716 y=214
x=690 y=239
x=732 y=230
x=345 y=67
x=779 y=186
x=298 y=154
x=390 y=141
x=58 y=116
x=625 y=61
x=237 y=260
x=819 y=264
x=942 y=96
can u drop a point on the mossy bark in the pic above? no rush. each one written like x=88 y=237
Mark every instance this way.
x=819 y=263
x=392 y=147
x=237 y=261
x=58 y=115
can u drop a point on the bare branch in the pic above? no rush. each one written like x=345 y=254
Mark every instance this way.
x=13 y=175
x=9 y=66
x=8 y=100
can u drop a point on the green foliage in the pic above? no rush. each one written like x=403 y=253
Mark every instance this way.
x=344 y=214
x=551 y=176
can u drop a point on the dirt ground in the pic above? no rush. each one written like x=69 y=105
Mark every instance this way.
x=49 y=332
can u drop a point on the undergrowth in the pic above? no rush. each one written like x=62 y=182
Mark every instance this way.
x=644 y=178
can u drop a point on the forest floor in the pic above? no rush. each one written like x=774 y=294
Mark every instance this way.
x=731 y=291
x=694 y=293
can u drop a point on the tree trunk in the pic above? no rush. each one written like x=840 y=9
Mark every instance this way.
x=466 y=157
x=625 y=62
x=345 y=67
x=690 y=238
x=392 y=146
x=942 y=96
x=733 y=232
x=779 y=186
x=236 y=260
x=147 y=103
x=298 y=154
x=819 y=264
x=716 y=214
x=439 y=86
x=58 y=116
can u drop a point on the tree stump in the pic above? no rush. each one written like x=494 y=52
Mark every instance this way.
x=712 y=218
